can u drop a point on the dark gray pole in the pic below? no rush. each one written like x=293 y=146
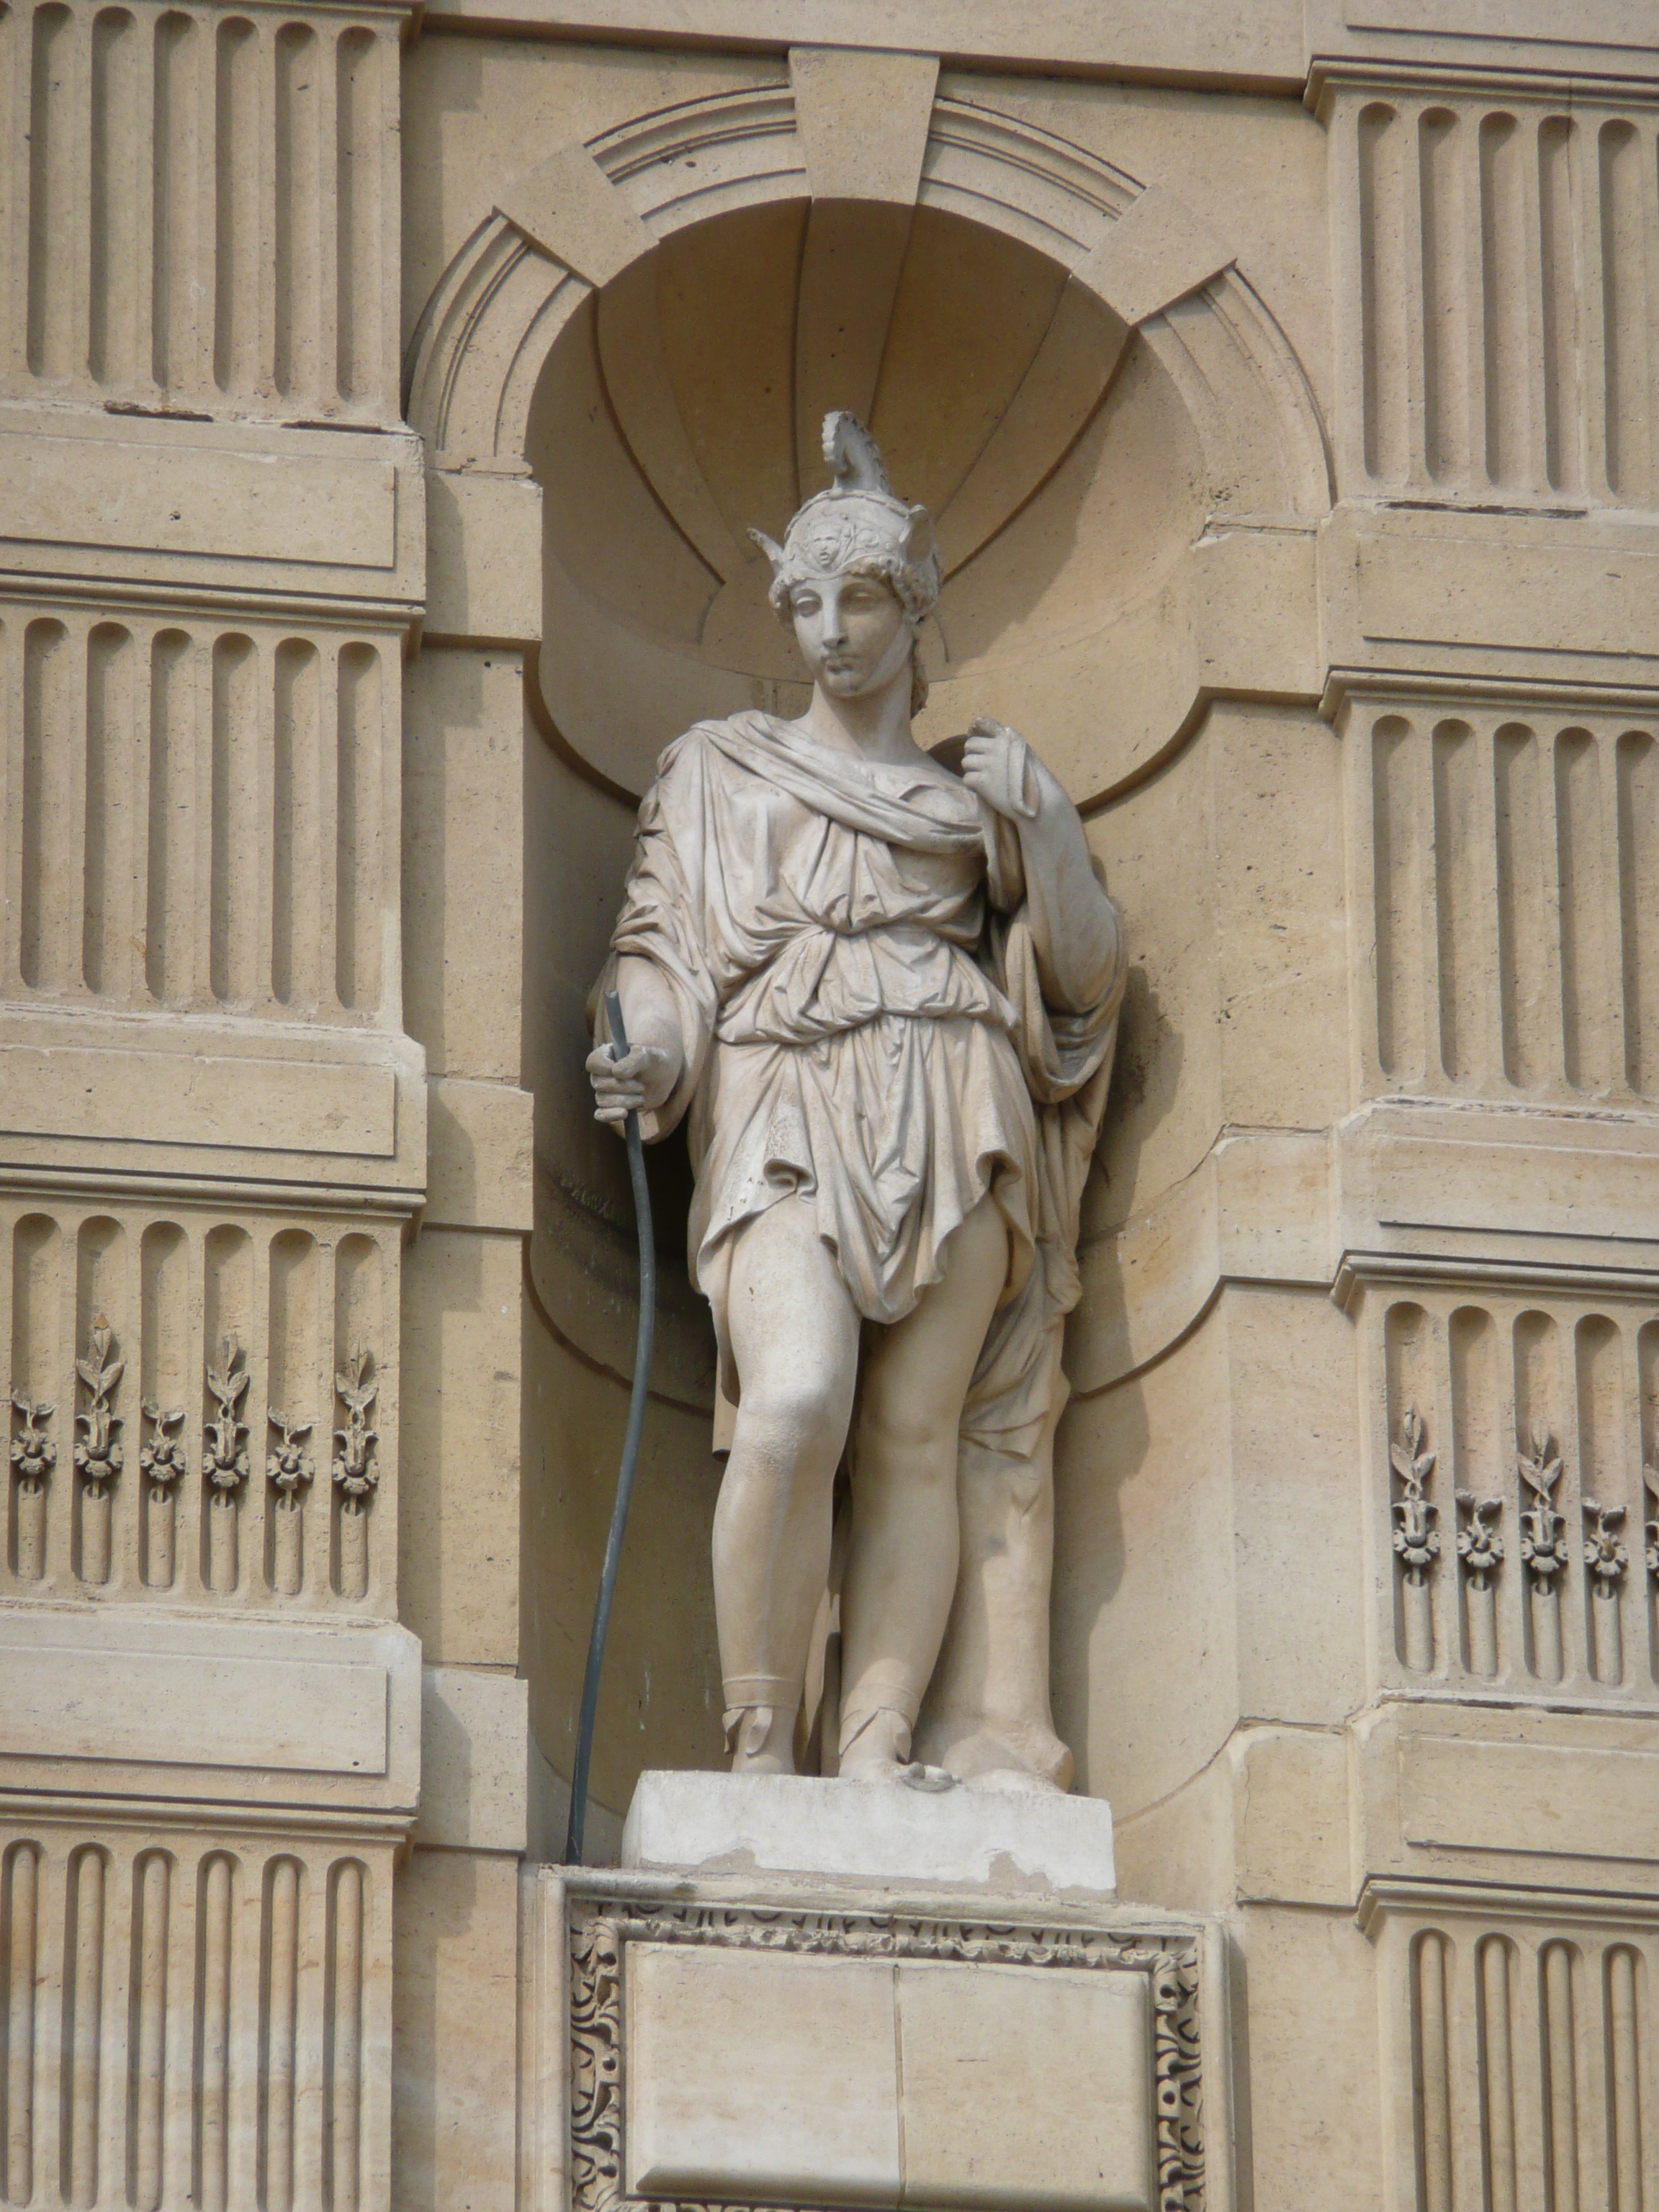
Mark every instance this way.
x=573 y=1842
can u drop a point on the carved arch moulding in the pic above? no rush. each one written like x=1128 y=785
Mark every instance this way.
x=1121 y=449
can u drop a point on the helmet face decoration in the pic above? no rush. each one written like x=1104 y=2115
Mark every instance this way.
x=859 y=526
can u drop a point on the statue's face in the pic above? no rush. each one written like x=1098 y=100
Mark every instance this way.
x=852 y=633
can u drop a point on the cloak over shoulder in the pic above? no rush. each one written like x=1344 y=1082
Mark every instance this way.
x=851 y=959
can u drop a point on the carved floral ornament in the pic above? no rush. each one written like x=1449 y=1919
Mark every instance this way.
x=98 y=1456
x=1415 y=1536
x=162 y=1460
x=1605 y=1554
x=602 y=1929
x=288 y=1466
x=1544 y=1550
x=34 y=1454
x=224 y=1448
x=357 y=1471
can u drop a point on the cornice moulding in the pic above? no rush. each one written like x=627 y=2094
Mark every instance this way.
x=1407 y=685
x=1356 y=1270
x=1568 y=87
x=1423 y=1894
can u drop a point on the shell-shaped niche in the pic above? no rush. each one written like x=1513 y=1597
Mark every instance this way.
x=682 y=404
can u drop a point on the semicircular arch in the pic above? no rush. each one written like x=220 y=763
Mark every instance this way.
x=1124 y=329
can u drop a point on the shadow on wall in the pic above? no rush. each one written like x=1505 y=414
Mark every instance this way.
x=656 y=608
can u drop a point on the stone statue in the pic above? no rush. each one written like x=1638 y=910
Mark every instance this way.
x=883 y=984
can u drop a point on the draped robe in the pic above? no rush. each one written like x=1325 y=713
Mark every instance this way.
x=853 y=961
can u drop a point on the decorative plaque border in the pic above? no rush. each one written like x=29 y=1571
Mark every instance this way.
x=600 y=1929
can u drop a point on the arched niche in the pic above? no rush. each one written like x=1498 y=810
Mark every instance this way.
x=1064 y=365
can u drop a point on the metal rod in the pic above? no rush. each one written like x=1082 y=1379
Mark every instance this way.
x=573 y=1842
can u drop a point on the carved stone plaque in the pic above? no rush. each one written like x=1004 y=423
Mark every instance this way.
x=792 y=2056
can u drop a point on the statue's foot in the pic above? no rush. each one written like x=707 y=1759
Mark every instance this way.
x=877 y=1749
x=915 y=1775
x=762 y=1738
x=1015 y=1781
x=1030 y=1759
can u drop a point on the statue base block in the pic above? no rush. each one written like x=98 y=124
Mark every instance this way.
x=1006 y=1844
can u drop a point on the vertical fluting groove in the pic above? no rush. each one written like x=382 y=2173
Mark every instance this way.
x=1503 y=298
x=296 y=859
x=1636 y=770
x=11 y=785
x=84 y=2023
x=357 y=216
x=1446 y=332
x=237 y=834
x=1472 y=1352
x=1431 y=2073
x=1495 y=2054
x=213 y=2020
x=1647 y=1423
x=1398 y=862
x=164 y=1368
x=46 y=814
x=1623 y=192
x=294 y=1392
x=228 y=1314
x=298 y=214
x=19 y=1904
x=1624 y=2075
x=175 y=350
x=358 y=1320
x=1538 y=1393
x=1522 y=976
x=237 y=259
x=1382 y=294
x=51 y=155
x=1599 y=1377
x=1563 y=404
x=117 y=189
x=1585 y=1030
x=147 y=2031
x=1457 y=902
x=358 y=862
x=169 y=928
x=1408 y=1369
x=1560 y=2105
x=36 y=1261
x=105 y=931
x=343 y=2002
x=280 y=1967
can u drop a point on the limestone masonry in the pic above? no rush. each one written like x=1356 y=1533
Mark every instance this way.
x=386 y=396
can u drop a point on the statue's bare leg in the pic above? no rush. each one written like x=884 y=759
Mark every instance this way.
x=794 y=1334
x=902 y=1563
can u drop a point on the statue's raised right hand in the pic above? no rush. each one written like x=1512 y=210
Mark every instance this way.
x=640 y=1082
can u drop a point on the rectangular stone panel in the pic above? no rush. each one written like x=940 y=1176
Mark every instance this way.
x=337 y=510
x=1576 y=1802
x=302 y=1715
x=767 y=2077
x=760 y=2077
x=166 y=1099
x=1024 y=2085
x=1537 y=596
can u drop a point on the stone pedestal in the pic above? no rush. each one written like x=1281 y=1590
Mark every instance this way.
x=911 y=2033
x=1005 y=1844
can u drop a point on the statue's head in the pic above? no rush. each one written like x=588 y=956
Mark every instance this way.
x=858 y=531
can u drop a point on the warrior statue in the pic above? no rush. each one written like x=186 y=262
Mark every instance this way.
x=883 y=984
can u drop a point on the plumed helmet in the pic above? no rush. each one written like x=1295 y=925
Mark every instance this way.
x=860 y=525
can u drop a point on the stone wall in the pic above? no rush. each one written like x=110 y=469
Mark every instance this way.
x=385 y=402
